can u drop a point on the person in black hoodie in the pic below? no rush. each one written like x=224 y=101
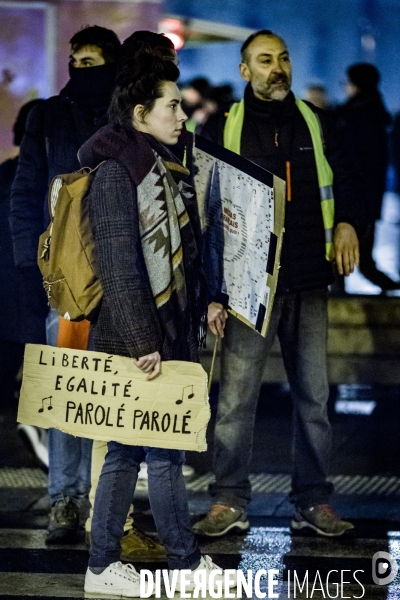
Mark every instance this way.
x=55 y=130
x=363 y=122
x=274 y=133
x=11 y=332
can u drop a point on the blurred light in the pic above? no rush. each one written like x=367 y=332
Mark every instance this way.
x=393 y=534
x=176 y=39
x=357 y=391
x=355 y=407
x=171 y=25
x=368 y=42
x=173 y=30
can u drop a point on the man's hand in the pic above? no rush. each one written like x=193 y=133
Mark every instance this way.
x=217 y=316
x=151 y=363
x=347 y=252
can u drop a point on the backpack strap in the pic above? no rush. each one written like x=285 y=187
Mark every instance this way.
x=59 y=180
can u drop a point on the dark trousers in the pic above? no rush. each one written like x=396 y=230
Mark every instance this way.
x=11 y=357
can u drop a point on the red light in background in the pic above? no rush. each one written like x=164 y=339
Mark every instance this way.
x=173 y=25
x=176 y=39
x=173 y=29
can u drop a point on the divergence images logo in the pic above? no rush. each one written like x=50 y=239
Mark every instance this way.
x=384 y=568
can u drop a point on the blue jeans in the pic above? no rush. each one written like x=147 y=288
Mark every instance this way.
x=69 y=456
x=300 y=321
x=168 y=501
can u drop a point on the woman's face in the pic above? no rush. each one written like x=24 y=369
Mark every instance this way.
x=166 y=118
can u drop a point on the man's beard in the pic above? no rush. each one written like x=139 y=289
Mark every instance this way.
x=267 y=92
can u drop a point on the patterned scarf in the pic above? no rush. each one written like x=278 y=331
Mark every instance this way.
x=169 y=230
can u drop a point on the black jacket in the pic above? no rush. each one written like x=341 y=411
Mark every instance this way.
x=273 y=133
x=10 y=296
x=55 y=130
x=395 y=149
x=362 y=123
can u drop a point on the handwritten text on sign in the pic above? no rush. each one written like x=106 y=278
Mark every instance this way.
x=98 y=396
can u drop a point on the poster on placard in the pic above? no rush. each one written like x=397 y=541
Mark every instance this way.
x=242 y=212
x=106 y=397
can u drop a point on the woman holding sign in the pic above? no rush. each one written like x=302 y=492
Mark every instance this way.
x=146 y=231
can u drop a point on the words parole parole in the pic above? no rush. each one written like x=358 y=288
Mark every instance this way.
x=90 y=414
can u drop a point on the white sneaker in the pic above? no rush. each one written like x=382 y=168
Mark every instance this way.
x=117 y=580
x=206 y=565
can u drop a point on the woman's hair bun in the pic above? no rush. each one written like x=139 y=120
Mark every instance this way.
x=147 y=59
x=142 y=64
x=147 y=42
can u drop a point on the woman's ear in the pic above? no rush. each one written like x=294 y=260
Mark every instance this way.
x=138 y=115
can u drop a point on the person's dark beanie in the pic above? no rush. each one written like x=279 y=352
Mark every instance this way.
x=365 y=76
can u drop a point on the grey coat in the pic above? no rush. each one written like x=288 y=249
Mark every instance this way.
x=128 y=323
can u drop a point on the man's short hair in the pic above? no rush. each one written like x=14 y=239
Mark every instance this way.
x=253 y=36
x=103 y=38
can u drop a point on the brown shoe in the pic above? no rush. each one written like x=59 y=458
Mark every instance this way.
x=321 y=519
x=136 y=545
x=220 y=520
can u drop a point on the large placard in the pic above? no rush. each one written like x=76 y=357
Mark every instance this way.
x=242 y=211
x=105 y=397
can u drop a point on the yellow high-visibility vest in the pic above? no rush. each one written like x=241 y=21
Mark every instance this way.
x=232 y=139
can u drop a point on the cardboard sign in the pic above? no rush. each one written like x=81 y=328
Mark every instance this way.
x=105 y=397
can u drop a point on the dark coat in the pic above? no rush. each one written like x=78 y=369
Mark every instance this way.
x=363 y=123
x=55 y=131
x=127 y=323
x=10 y=295
x=273 y=133
x=395 y=149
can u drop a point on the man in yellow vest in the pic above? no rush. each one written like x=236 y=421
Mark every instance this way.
x=292 y=139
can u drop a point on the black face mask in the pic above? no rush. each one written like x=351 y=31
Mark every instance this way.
x=91 y=87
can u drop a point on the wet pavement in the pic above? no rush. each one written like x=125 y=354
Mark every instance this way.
x=365 y=470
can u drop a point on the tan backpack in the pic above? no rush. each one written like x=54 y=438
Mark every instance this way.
x=66 y=256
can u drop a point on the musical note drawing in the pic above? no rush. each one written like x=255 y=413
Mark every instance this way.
x=41 y=409
x=183 y=393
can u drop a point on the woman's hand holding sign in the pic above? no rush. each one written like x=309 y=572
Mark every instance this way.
x=151 y=363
